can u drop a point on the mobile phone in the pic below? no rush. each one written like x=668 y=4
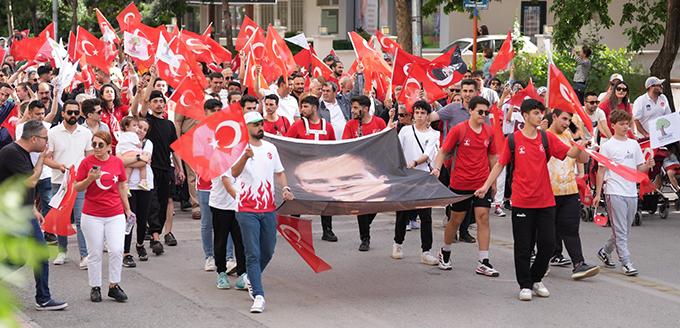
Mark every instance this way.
x=95 y=167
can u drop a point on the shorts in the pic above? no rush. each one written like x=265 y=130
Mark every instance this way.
x=465 y=205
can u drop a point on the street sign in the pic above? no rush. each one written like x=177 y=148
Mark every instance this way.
x=479 y=4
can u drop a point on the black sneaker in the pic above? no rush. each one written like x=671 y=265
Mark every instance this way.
x=559 y=260
x=444 y=258
x=170 y=239
x=328 y=235
x=604 y=257
x=507 y=205
x=96 y=294
x=50 y=238
x=156 y=247
x=128 y=261
x=141 y=252
x=365 y=245
x=51 y=305
x=467 y=238
x=584 y=270
x=117 y=293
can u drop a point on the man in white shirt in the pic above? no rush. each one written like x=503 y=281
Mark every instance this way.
x=216 y=81
x=331 y=110
x=288 y=105
x=650 y=105
x=485 y=92
x=597 y=116
x=69 y=143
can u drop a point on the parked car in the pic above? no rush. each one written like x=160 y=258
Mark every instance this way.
x=488 y=41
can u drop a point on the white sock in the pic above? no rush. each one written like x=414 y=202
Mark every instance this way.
x=483 y=255
x=446 y=247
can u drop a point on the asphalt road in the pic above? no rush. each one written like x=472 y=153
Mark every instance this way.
x=372 y=290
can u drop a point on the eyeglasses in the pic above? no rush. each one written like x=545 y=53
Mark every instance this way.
x=41 y=137
x=621 y=89
x=594 y=102
x=98 y=144
x=34 y=80
x=454 y=90
x=402 y=114
x=483 y=112
x=72 y=112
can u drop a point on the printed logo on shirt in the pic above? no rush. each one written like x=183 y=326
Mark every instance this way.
x=521 y=215
x=269 y=155
x=522 y=150
x=648 y=107
x=486 y=143
x=540 y=147
x=101 y=185
x=629 y=155
x=466 y=142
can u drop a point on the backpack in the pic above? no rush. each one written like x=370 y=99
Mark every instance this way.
x=544 y=141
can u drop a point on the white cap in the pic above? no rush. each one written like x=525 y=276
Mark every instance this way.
x=541 y=90
x=253 y=117
x=653 y=80
x=616 y=76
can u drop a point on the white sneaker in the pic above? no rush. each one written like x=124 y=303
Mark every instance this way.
x=629 y=270
x=428 y=258
x=83 y=263
x=397 y=252
x=231 y=266
x=258 y=304
x=414 y=225
x=540 y=290
x=210 y=264
x=499 y=211
x=60 y=259
x=525 y=294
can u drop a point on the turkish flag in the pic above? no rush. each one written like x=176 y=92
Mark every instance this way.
x=26 y=49
x=562 y=96
x=108 y=33
x=497 y=128
x=628 y=173
x=381 y=83
x=402 y=63
x=87 y=76
x=303 y=59
x=139 y=42
x=369 y=56
x=71 y=48
x=58 y=220
x=10 y=122
x=214 y=145
x=277 y=50
x=319 y=68
x=251 y=75
x=447 y=69
x=189 y=97
x=92 y=48
x=388 y=45
x=195 y=44
x=128 y=17
x=2 y=55
x=416 y=77
x=219 y=53
x=527 y=93
x=504 y=56
x=47 y=32
x=248 y=29
x=298 y=233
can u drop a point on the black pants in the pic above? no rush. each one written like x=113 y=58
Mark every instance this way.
x=529 y=224
x=163 y=180
x=507 y=192
x=139 y=204
x=580 y=89
x=326 y=222
x=567 y=222
x=365 y=221
x=224 y=223
x=403 y=218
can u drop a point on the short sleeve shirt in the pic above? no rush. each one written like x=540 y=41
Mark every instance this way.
x=627 y=153
x=101 y=196
x=471 y=162
x=257 y=179
x=645 y=109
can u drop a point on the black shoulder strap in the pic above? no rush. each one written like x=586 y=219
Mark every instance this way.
x=511 y=145
x=544 y=141
x=420 y=145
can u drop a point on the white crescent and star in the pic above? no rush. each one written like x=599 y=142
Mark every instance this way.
x=83 y=48
x=99 y=181
x=237 y=132
x=125 y=18
x=287 y=230
x=196 y=46
x=443 y=82
x=183 y=103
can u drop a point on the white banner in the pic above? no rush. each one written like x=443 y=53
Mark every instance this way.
x=664 y=130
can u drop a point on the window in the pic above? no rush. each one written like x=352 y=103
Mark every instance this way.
x=329 y=19
x=533 y=17
x=192 y=19
x=282 y=12
x=481 y=45
x=296 y=15
x=322 y=3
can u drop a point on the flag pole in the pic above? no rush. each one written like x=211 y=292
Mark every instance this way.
x=548 y=49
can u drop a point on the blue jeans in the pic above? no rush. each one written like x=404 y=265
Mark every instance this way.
x=42 y=289
x=75 y=217
x=206 y=223
x=44 y=191
x=258 y=231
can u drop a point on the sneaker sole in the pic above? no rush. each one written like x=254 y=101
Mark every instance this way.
x=256 y=310
x=223 y=288
x=493 y=275
x=445 y=268
x=586 y=274
x=398 y=257
x=525 y=299
x=51 y=308
x=631 y=274
x=559 y=264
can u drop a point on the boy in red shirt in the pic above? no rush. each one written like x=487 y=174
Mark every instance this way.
x=475 y=155
x=533 y=202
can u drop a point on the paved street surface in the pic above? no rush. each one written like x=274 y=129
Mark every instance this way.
x=372 y=290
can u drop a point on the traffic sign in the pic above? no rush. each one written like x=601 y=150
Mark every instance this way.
x=479 y=4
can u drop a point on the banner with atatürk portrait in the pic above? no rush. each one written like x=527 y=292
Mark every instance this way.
x=357 y=176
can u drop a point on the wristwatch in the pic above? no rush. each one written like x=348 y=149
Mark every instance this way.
x=139 y=158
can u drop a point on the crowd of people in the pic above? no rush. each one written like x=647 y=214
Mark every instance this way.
x=117 y=139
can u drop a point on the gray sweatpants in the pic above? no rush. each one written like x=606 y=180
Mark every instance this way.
x=621 y=212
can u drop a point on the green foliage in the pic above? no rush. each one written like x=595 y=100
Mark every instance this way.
x=17 y=247
x=648 y=19
x=605 y=62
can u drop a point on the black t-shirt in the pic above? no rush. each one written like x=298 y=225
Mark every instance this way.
x=14 y=161
x=162 y=133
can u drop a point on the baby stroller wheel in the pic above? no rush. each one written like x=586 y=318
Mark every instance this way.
x=638 y=219
x=663 y=208
x=586 y=214
x=677 y=204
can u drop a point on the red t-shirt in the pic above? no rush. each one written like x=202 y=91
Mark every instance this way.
x=608 y=111
x=352 y=128
x=471 y=166
x=204 y=185
x=101 y=197
x=315 y=132
x=281 y=125
x=531 y=181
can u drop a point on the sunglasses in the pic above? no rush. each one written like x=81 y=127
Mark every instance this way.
x=454 y=90
x=98 y=112
x=621 y=89
x=228 y=78
x=402 y=115
x=72 y=112
x=483 y=112
x=594 y=102
x=98 y=144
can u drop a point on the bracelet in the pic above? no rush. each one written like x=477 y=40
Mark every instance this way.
x=286 y=188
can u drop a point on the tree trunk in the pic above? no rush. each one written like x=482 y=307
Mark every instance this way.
x=663 y=64
x=226 y=13
x=33 y=7
x=404 y=25
x=74 y=16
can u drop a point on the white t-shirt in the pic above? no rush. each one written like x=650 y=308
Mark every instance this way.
x=596 y=117
x=429 y=139
x=128 y=141
x=627 y=153
x=489 y=95
x=257 y=179
x=288 y=105
x=219 y=197
x=133 y=179
x=46 y=170
x=68 y=148
x=515 y=118
x=337 y=119
x=645 y=109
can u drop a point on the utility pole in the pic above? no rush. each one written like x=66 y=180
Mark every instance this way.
x=55 y=18
x=475 y=13
x=416 y=23
x=10 y=18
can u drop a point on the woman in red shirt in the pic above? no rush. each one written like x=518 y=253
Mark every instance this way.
x=618 y=100
x=113 y=109
x=102 y=177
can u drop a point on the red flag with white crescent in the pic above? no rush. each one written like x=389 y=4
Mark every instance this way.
x=248 y=29
x=628 y=173
x=388 y=45
x=215 y=144
x=402 y=63
x=563 y=96
x=189 y=98
x=92 y=48
x=504 y=56
x=108 y=33
x=58 y=219
x=298 y=233
x=128 y=17
x=527 y=93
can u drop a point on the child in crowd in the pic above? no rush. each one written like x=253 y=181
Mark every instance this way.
x=129 y=144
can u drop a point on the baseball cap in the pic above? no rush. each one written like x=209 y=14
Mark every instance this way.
x=541 y=90
x=653 y=80
x=252 y=117
x=616 y=76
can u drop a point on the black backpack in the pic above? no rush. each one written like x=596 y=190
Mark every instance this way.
x=544 y=141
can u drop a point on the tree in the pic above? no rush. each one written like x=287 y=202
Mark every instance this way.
x=226 y=13
x=74 y=16
x=404 y=32
x=662 y=124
